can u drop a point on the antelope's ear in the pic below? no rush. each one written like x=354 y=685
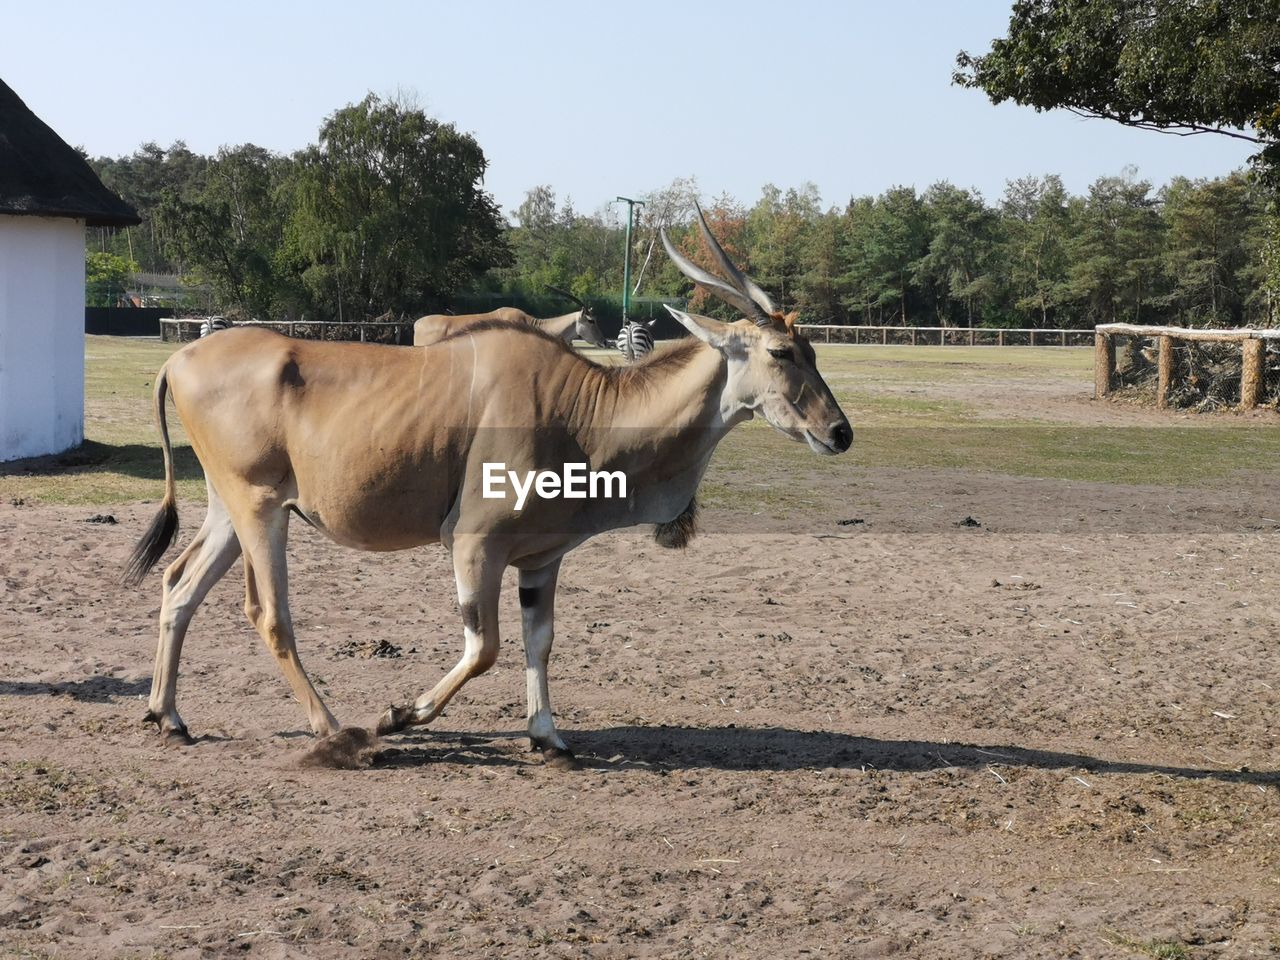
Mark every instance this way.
x=718 y=334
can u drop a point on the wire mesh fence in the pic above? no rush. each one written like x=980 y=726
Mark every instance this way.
x=186 y=329
x=1198 y=370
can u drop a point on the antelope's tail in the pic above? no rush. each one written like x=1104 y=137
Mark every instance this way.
x=164 y=527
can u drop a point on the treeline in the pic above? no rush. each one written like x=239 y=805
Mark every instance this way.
x=386 y=212
x=1189 y=253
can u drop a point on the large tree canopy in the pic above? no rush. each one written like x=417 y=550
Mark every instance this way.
x=390 y=212
x=1180 y=66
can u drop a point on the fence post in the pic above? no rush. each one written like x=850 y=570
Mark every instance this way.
x=1104 y=364
x=828 y=334
x=1064 y=337
x=1253 y=353
x=884 y=336
x=972 y=341
x=1033 y=338
x=1165 y=372
x=291 y=328
x=1000 y=339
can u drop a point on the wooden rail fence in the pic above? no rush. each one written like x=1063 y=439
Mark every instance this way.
x=1253 y=346
x=946 y=336
x=189 y=328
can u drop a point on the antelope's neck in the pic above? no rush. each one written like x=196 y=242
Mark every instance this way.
x=660 y=426
x=560 y=326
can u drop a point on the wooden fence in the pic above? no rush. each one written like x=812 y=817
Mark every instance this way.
x=1253 y=345
x=946 y=336
x=389 y=331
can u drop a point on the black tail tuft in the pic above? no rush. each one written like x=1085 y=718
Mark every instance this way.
x=152 y=545
x=676 y=534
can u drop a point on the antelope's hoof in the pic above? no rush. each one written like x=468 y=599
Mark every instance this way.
x=178 y=737
x=394 y=720
x=561 y=758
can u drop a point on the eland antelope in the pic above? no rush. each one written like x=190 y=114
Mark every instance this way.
x=580 y=323
x=382 y=448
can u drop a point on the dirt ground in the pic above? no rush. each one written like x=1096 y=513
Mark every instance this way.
x=1053 y=734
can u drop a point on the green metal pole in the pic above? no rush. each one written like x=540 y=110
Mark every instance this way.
x=626 y=261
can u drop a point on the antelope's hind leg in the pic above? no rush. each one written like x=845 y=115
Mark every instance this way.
x=537 y=614
x=186 y=583
x=479 y=578
x=264 y=535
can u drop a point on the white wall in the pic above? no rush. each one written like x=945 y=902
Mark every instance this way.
x=41 y=335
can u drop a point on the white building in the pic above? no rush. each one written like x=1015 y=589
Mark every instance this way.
x=48 y=194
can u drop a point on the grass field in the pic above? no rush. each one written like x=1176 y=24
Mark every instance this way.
x=1015 y=411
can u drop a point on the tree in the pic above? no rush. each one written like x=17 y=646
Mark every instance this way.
x=779 y=226
x=229 y=231
x=105 y=278
x=1206 y=252
x=389 y=212
x=728 y=222
x=958 y=267
x=145 y=178
x=581 y=253
x=1034 y=226
x=1114 y=250
x=664 y=207
x=820 y=291
x=1179 y=66
x=898 y=239
x=856 y=280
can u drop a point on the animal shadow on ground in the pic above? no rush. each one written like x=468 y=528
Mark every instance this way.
x=419 y=749
x=92 y=689
x=781 y=749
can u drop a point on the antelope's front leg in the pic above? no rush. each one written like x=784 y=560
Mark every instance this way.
x=537 y=612
x=479 y=577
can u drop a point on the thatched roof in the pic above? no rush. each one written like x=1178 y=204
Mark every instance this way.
x=41 y=176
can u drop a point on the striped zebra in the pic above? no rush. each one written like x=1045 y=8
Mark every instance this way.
x=635 y=340
x=213 y=325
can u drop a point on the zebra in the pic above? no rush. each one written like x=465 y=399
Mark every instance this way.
x=213 y=325
x=635 y=340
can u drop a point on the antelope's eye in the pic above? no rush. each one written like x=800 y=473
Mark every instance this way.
x=782 y=353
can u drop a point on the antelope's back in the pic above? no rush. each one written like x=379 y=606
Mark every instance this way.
x=435 y=327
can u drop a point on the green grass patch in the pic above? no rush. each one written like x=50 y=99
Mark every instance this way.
x=120 y=461
x=952 y=364
x=1163 y=456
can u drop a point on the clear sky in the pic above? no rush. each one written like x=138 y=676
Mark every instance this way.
x=594 y=98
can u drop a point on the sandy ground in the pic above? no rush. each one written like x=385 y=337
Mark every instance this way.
x=1051 y=735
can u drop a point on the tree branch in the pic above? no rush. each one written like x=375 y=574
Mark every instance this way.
x=1170 y=129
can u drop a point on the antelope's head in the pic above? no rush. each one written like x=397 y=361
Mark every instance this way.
x=773 y=371
x=585 y=326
